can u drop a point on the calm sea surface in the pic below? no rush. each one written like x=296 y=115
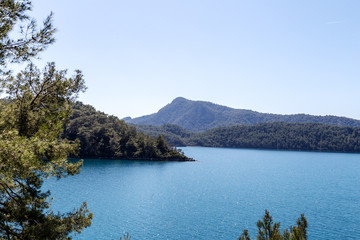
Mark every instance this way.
x=224 y=192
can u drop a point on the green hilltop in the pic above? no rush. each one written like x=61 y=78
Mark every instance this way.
x=197 y=123
x=199 y=116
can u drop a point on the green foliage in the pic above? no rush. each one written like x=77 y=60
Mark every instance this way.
x=268 y=230
x=126 y=237
x=199 y=116
x=30 y=40
x=280 y=135
x=245 y=235
x=103 y=136
x=174 y=134
x=31 y=119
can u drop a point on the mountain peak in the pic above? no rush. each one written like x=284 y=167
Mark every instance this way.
x=179 y=100
x=200 y=115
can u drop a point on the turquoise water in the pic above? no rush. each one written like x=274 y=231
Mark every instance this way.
x=224 y=192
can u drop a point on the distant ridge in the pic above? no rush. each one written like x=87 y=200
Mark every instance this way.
x=199 y=116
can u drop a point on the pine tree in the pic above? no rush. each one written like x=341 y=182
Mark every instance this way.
x=31 y=119
x=268 y=230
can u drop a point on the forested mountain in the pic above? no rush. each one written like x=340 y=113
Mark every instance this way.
x=198 y=116
x=279 y=135
x=104 y=136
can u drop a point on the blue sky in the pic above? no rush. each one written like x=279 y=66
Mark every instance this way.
x=269 y=56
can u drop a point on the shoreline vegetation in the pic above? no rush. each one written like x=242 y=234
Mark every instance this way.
x=313 y=137
x=136 y=159
x=107 y=137
x=185 y=122
x=104 y=136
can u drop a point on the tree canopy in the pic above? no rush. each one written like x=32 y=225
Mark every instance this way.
x=278 y=135
x=32 y=116
x=268 y=230
x=104 y=136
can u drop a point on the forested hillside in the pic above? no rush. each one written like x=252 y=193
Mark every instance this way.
x=199 y=116
x=175 y=135
x=279 y=135
x=104 y=136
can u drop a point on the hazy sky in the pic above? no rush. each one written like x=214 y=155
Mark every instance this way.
x=269 y=56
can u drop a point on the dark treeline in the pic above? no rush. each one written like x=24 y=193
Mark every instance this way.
x=104 y=136
x=279 y=135
x=174 y=134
